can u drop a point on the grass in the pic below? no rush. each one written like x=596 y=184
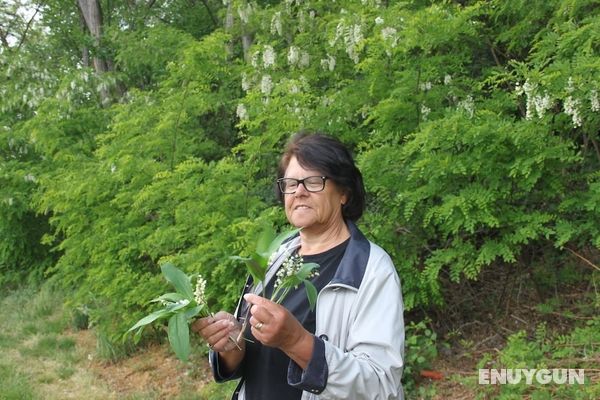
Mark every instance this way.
x=15 y=385
x=40 y=358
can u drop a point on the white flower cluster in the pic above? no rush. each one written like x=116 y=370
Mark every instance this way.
x=290 y=267
x=30 y=178
x=241 y=112
x=447 y=79
x=468 y=105
x=328 y=64
x=571 y=107
x=351 y=39
x=595 y=103
x=542 y=103
x=268 y=56
x=266 y=85
x=246 y=85
x=425 y=86
x=534 y=102
x=276 y=26
x=297 y=57
x=352 y=36
x=200 y=292
x=245 y=12
x=425 y=111
x=390 y=35
x=301 y=21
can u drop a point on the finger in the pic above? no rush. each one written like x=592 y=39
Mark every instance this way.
x=201 y=323
x=254 y=299
x=218 y=333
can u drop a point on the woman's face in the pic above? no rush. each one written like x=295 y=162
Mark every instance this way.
x=315 y=212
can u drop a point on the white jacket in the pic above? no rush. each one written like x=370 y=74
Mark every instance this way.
x=359 y=339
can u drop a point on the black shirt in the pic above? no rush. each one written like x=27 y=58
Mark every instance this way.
x=265 y=368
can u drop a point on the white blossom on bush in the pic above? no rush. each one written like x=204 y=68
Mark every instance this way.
x=378 y=21
x=328 y=64
x=352 y=37
x=276 y=24
x=390 y=35
x=425 y=111
x=304 y=59
x=468 y=105
x=293 y=55
x=254 y=59
x=301 y=21
x=245 y=12
x=339 y=32
x=571 y=108
x=241 y=112
x=542 y=103
x=266 y=85
x=268 y=56
x=30 y=178
x=595 y=103
x=570 y=85
x=447 y=79
x=245 y=82
x=425 y=86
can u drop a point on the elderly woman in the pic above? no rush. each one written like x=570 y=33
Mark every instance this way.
x=351 y=346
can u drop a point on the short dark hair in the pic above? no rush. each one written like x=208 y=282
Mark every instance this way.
x=330 y=157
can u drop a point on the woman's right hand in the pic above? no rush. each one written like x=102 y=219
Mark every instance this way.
x=219 y=331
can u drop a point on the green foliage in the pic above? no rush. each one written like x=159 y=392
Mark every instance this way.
x=575 y=350
x=475 y=125
x=420 y=350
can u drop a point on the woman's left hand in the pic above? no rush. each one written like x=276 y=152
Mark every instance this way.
x=273 y=325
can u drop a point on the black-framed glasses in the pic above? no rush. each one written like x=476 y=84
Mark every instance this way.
x=311 y=184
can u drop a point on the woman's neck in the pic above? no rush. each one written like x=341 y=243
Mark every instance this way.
x=319 y=242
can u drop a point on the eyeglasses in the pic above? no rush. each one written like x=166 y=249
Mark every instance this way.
x=311 y=184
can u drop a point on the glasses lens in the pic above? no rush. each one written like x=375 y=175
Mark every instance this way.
x=314 y=183
x=288 y=185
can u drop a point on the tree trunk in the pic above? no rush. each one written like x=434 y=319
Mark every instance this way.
x=246 y=38
x=92 y=15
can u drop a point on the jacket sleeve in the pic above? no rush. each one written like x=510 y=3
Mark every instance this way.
x=218 y=373
x=369 y=364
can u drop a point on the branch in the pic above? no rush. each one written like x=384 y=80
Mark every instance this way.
x=210 y=13
x=585 y=260
x=3 y=39
x=27 y=28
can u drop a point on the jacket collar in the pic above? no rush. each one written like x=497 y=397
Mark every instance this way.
x=352 y=267
x=354 y=262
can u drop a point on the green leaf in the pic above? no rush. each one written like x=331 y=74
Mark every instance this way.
x=150 y=318
x=311 y=293
x=306 y=270
x=192 y=312
x=178 y=279
x=256 y=266
x=179 y=336
x=282 y=237
x=172 y=297
x=264 y=241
